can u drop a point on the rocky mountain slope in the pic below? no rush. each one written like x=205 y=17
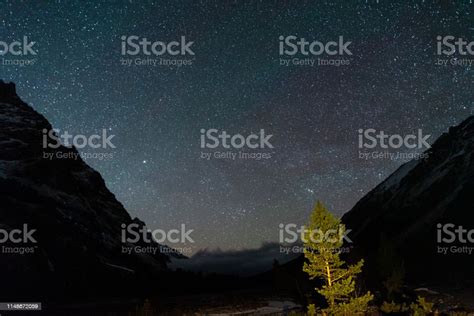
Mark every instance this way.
x=397 y=223
x=75 y=246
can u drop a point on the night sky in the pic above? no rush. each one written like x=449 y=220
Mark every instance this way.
x=236 y=84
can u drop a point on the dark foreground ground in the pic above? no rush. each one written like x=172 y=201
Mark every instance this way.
x=248 y=302
x=449 y=301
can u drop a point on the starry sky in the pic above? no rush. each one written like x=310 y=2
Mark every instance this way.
x=236 y=84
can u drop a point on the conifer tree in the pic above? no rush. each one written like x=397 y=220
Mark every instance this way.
x=323 y=240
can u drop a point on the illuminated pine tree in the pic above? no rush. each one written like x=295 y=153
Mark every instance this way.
x=323 y=240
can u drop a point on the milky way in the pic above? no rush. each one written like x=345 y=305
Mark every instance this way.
x=236 y=83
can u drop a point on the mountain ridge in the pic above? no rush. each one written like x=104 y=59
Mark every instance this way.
x=405 y=209
x=76 y=219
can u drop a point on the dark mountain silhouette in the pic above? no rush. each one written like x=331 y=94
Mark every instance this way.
x=77 y=219
x=400 y=216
